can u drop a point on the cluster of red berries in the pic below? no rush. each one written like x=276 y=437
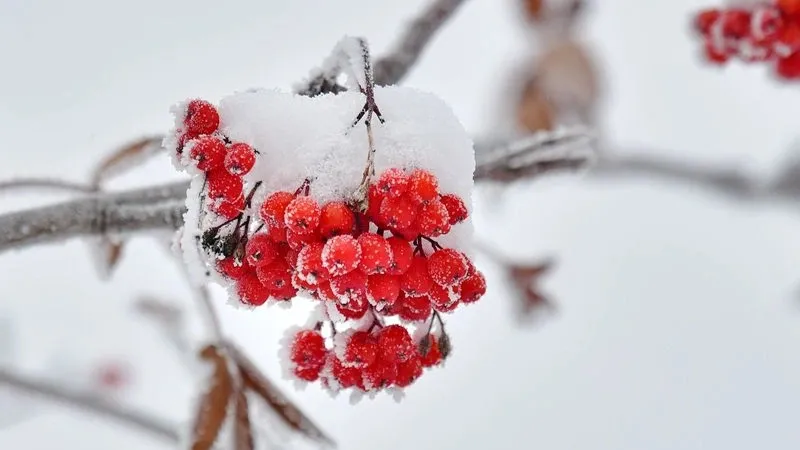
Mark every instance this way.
x=366 y=360
x=223 y=162
x=765 y=32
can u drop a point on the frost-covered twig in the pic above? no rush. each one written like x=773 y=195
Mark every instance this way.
x=47 y=184
x=90 y=403
x=395 y=65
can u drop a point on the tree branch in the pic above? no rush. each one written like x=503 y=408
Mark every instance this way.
x=162 y=207
x=50 y=184
x=90 y=403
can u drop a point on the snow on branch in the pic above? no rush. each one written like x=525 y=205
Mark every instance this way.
x=90 y=403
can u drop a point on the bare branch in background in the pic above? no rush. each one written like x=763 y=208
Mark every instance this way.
x=45 y=184
x=394 y=66
x=125 y=158
x=90 y=403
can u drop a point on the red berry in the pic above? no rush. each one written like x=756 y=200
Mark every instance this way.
x=227 y=208
x=276 y=275
x=789 y=36
x=297 y=241
x=336 y=218
x=361 y=350
x=344 y=375
x=447 y=267
x=302 y=215
x=392 y=182
x=231 y=269
x=208 y=152
x=278 y=234
x=273 y=209
x=473 y=288
x=222 y=185
x=397 y=212
x=201 y=118
x=383 y=289
x=432 y=219
x=341 y=254
x=414 y=308
x=240 y=159
x=378 y=376
x=443 y=299
x=286 y=293
x=789 y=67
x=766 y=23
x=375 y=199
x=291 y=257
x=456 y=209
x=736 y=23
x=416 y=280
x=301 y=284
x=251 y=290
x=790 y=7
x=713 y=54
x=376 y=255
x=308 y=350
x=422 y=186
x=311 y=374
x=408 y=371
x=260 y=250
x=433 y=355
x=402 y=255
x=309 y=265
x=350 y=285
x=356 y=306
x=324 y=291
x=395 y=344
x=705 y=19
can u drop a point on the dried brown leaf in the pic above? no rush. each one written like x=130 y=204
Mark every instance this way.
x=525 y=278
x=534 y=110
x=107 y=253
x=445 y=345
x=126 y=158
x=566 y=75
x=213 y=409
x=243 y=429
x=293 y=417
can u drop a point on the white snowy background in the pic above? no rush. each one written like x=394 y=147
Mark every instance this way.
x=678 y=326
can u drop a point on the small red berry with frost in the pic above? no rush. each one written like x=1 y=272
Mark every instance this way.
x=227 y=208
x=705 y=19
x=736 y=23
x=251 y=290
x=260 y=250
x=447 y=267
x=341 y=254
x=789 y=67
x=383 y=289
x=765 y=25
x=408 y=371
x=240 y=159
x=336 y=218
x=308 y=349
x=273 y=209
x=432 y=219
x=291 y=257
x=297 y=241
x=378 y=376
x=208 y=152
x=222 y=185
x=443 y=299
x=311 y=374
x=309 y=265
x=285 y=293
x=402 y=255
x=376 y=254
x=414 y=308
x=397 y=213
x=324 y=291
x=392 y=182
x=278 y=234
x=432 y=355
x=395 y=344
x=416 y=280
x=456 y=209
x=423 y=186
x=201 y=118
x=409 y=234
x=349 y=285
x=473 y=288
x=375 y=198
x=231 y=269
x=790 y=7
x=790 y=37
x=361 y=350
x=346 y=376
x=276 y=275
x=301 y=284
x=302 y=215
x=713 y=54
x=356 y=306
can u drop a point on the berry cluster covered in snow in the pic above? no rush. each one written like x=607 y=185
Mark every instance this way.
x=767 y=31
x=274 y=213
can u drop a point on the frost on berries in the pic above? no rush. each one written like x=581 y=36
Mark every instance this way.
x=272 y=214
x=765 y=31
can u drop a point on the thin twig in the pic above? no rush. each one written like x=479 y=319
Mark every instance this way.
x=91 y=403
x=48 y=184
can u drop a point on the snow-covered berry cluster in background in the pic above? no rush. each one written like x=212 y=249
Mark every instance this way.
x=767 y=31
x=274 y=212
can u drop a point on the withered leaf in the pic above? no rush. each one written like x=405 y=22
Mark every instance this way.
x=535 y=112
x=125 y=158
x=243 y=430
x=566 y=75
x=213 y=409
x=525 y=279
x=445 y=346
x=292 y=416
x=107 y=253
x=424 y=345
